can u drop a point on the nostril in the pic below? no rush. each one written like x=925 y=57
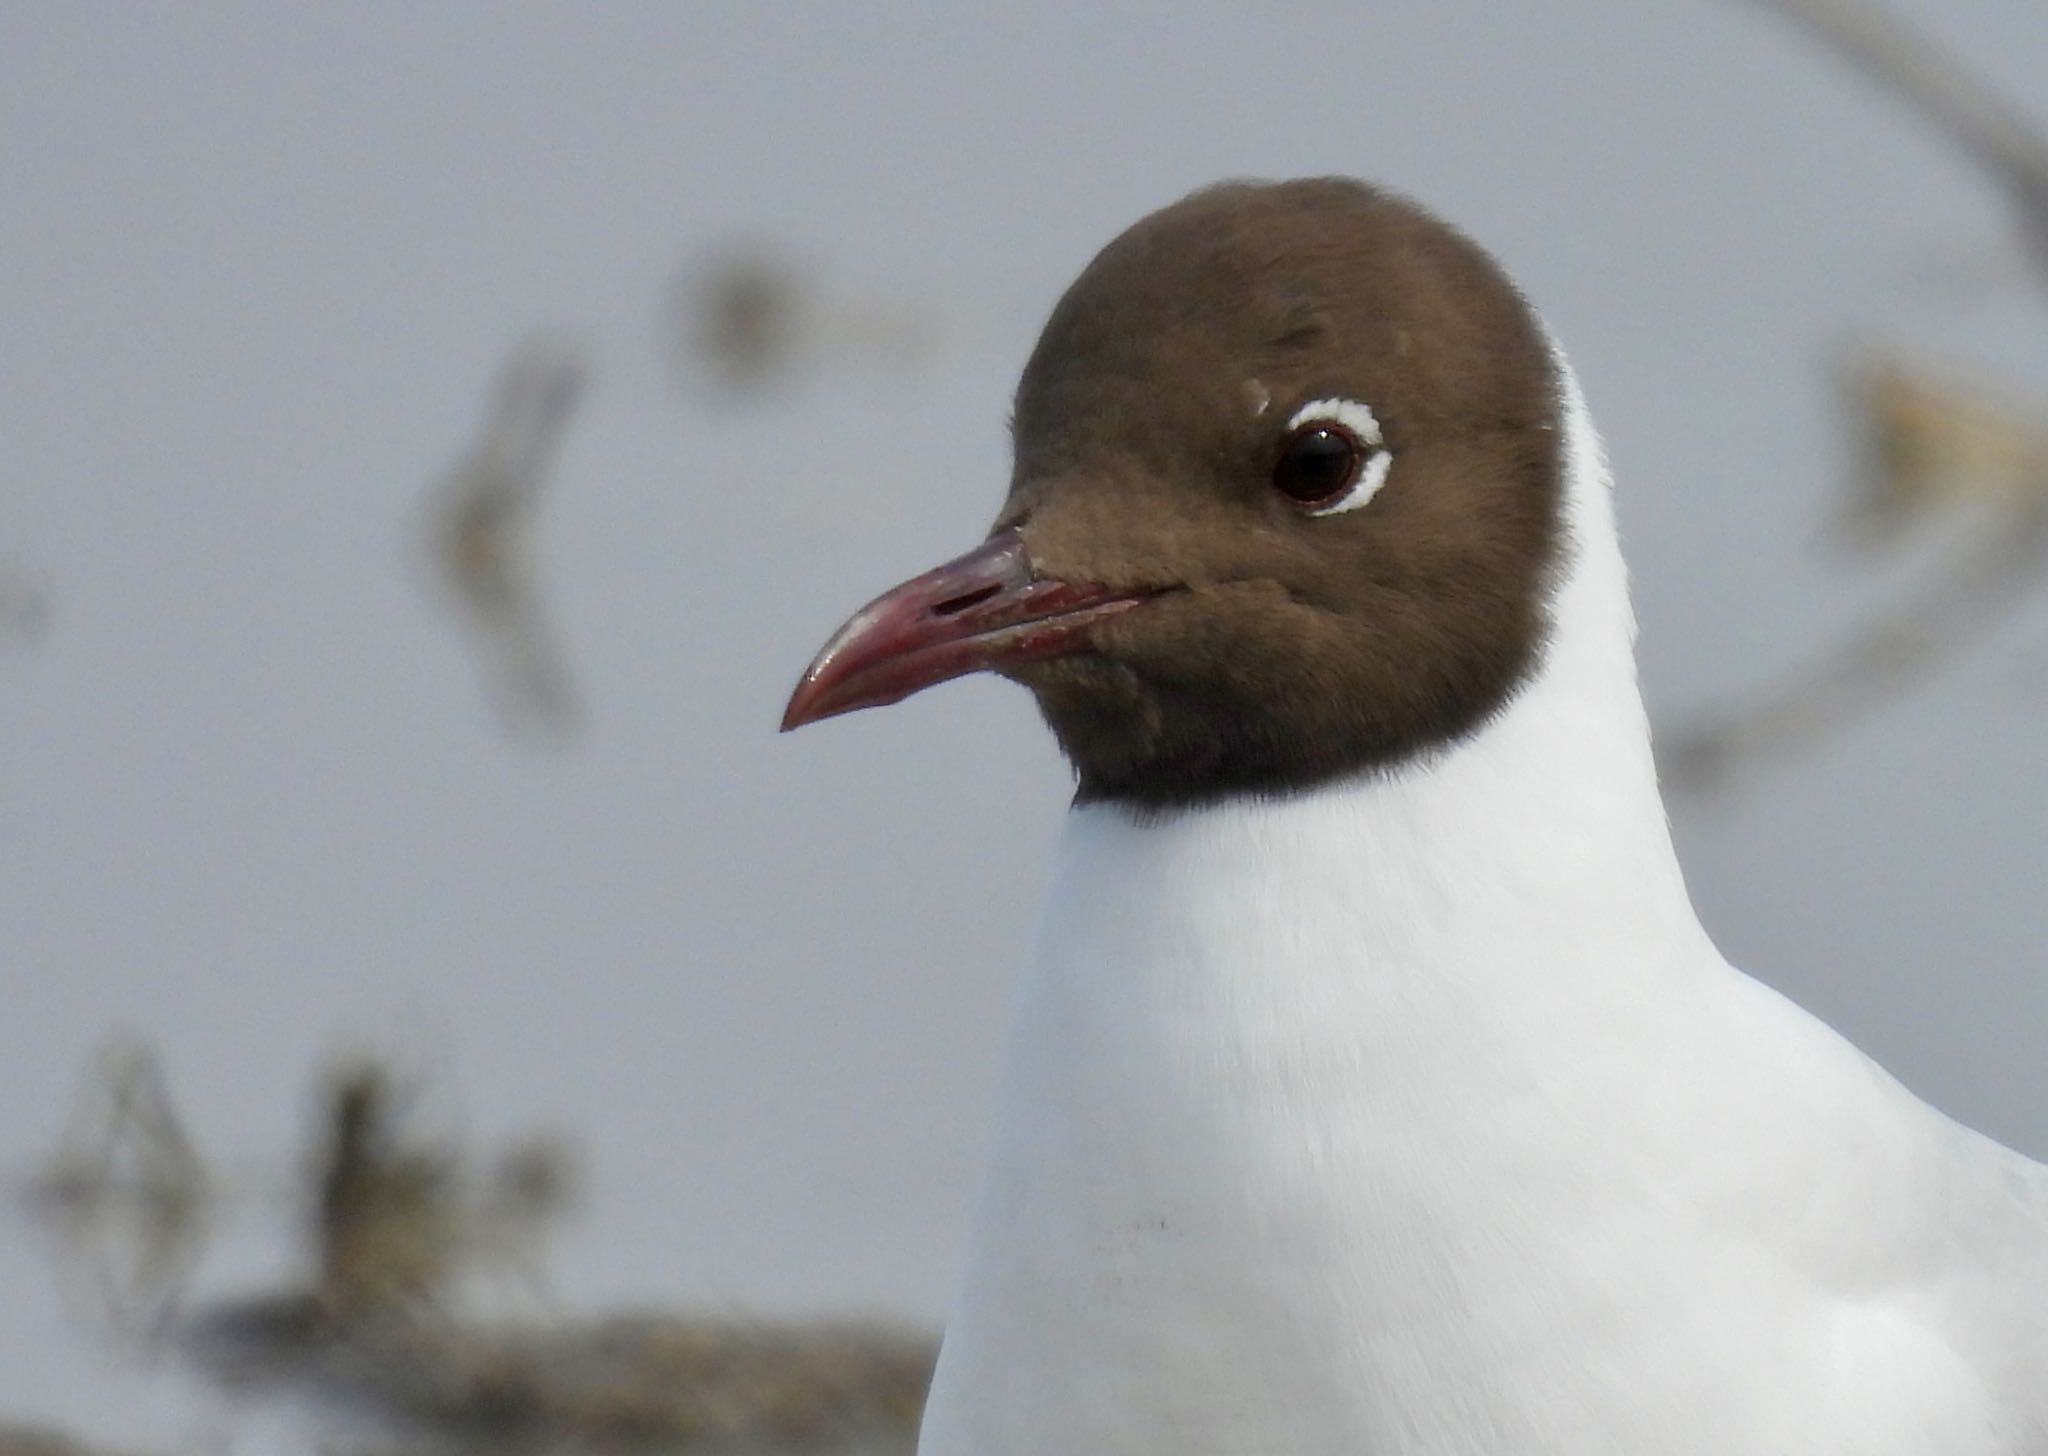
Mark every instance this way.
x=953 y=606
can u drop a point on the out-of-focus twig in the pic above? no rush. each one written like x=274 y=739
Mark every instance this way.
x=753 y=318
x=1879 y=660
x=1995 y=133
x=399 y=1215
x=482 y=529
x=378 y=1328
x=745 y=314
x=385 y=1226
x=1929 y=445
x=1933 y=442
x=126 y=1191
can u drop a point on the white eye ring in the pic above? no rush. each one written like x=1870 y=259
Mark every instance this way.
x=1359 y=419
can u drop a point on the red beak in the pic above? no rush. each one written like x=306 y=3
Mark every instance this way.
x=983 y=610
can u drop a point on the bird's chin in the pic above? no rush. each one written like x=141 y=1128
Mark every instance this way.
x=1108 y=720
x=1086 y=690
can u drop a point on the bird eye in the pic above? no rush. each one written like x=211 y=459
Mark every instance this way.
x=1319 y=462
x=1334 y=458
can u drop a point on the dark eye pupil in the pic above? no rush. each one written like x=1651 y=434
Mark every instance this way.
x=1317 y=464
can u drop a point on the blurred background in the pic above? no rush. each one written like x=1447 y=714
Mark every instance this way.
x=433 y=439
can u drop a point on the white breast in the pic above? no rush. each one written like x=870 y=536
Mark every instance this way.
x=1334 y=1199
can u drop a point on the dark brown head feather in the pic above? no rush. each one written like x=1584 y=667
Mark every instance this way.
x=1286 y=649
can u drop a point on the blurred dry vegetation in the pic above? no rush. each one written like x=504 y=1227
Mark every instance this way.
x=750 y=318
x=482 y=524
x=745 y=321
x=1938 y=453
x=382 y=1329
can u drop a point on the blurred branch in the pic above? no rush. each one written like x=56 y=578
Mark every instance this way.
x=1934 y=443
x=126 y=1191
x=747 y=314
x=482 y=531
x=1881 y=659
x=1994 y=132
x=1930 y=446
x=399 y=1214
x=377 y=1326
x=753 y=318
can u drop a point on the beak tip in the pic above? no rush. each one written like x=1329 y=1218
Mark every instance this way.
x=798 y=712
x=817 y=697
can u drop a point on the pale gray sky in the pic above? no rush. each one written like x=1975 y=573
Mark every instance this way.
x=259 y=265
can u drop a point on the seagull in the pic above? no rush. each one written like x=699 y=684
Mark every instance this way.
x=1372 y=1087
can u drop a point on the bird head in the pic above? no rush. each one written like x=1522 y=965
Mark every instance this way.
x=1286 y=506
